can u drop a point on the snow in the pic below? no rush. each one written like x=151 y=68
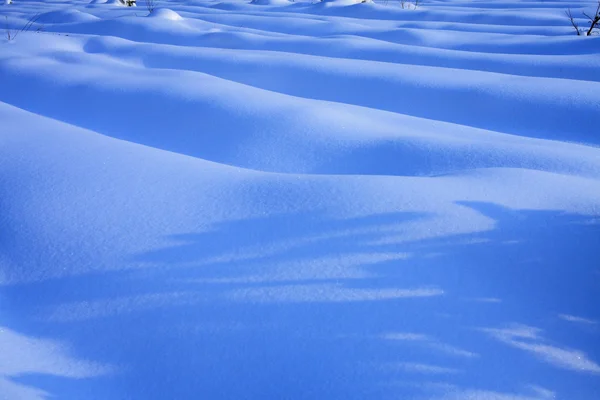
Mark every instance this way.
x=270 y=2
x=165 y=13
x=301 y=200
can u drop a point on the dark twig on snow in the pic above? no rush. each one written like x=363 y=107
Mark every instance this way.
x=150 y=5
x=593 y=20
x=572 y=19
x=11 y=35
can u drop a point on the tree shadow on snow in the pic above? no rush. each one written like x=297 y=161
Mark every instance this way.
x=306 y=306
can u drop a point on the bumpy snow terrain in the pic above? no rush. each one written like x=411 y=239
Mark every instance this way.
x=287 y=200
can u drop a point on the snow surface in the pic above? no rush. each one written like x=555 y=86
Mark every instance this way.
x=287 y=200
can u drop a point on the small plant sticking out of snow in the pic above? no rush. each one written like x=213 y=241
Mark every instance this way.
x=150 y=5
x=12 y=34
x=407 y=5
x=593 y=20
x=128 y=3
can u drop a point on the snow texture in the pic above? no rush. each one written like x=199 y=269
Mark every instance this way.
x=279 y=199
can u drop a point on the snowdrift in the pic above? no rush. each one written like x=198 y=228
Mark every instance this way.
x=299 y=201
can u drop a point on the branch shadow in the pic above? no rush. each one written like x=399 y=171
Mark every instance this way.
x=308 y=306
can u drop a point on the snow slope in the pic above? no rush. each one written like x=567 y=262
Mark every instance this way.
x=287 y=200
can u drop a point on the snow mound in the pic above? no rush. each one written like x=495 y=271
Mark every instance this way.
x=165 y=13
x=65 y=17
x=345 y=2
x=270 y=2
x=108 y=2
x=355 y=201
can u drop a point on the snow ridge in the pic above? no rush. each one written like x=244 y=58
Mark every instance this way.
x=293 y=199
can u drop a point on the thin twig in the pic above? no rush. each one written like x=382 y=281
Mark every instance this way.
x=10 y=35
x=570 y=15
x=593 y=20
x=150 y=5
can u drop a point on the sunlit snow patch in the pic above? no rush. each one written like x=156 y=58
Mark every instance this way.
x=165 y=13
